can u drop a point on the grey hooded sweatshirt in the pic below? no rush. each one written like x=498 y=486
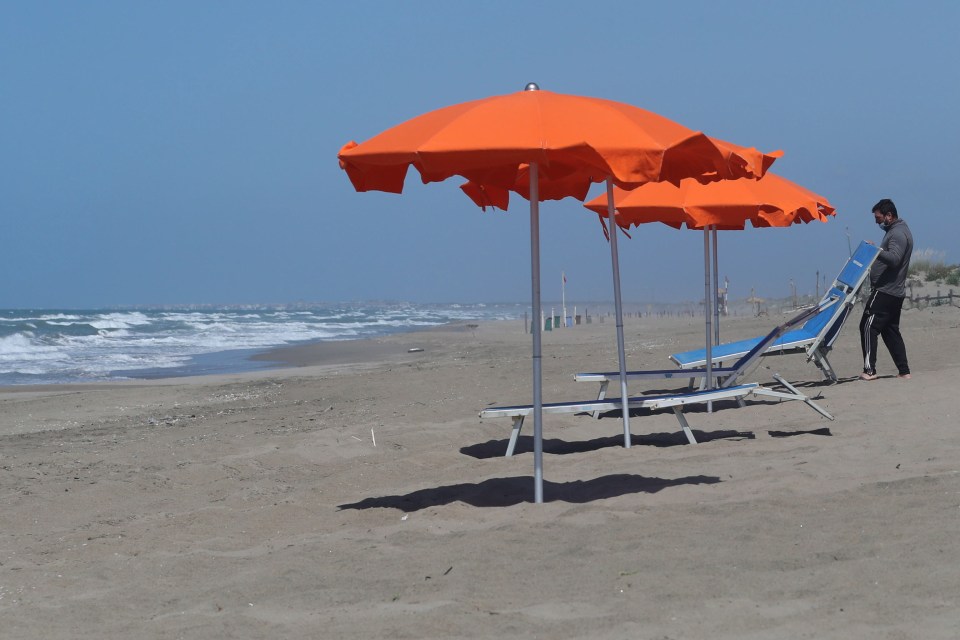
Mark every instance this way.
x=889 y=273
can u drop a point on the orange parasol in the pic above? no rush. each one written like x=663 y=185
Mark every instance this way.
x=574 y=140
x=564 y=142
x=771 y=201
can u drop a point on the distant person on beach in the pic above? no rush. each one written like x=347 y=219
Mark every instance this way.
x=888 y=280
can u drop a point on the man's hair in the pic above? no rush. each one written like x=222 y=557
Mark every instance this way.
x=886 y=206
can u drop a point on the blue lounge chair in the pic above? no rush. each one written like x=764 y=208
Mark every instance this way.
x=816 y=336
x=728 y=389
x=723 y=376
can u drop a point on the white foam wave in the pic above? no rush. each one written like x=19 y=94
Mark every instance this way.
x=132 y=340
x=23 y=346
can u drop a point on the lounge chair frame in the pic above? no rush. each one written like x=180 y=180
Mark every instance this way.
x=726 y=390
x=671 y=401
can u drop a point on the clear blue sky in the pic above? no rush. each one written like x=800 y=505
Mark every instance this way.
x=185 y=152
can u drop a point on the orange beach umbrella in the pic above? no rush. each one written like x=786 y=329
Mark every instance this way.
x=574 y=140
x=562 y=141
x=771 y=201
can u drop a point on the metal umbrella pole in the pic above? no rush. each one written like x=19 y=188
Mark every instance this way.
x=716 y=290
x=708 y=380
x=537 y=352
x=618 y=306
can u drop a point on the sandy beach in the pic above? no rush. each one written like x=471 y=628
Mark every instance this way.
x=353 y=492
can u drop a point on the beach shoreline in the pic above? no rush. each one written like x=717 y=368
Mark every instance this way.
x=352 y=491
x=358 y=351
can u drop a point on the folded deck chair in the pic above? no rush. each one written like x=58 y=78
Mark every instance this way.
x=816 y=336
x=728 y=391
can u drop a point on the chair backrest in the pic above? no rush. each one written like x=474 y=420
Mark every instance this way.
x=857 y=268
x=828 y=336
x=826 y=326
x=819 y=322
x=749 y=360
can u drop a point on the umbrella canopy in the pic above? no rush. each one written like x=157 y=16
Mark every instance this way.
x=771 y=201
x=563 y=141
x=553 y=187
x=575 y=141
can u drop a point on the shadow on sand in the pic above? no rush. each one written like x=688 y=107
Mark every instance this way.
x=823 y=431
x=506 y=492
x=554 y=446
x=856 y=378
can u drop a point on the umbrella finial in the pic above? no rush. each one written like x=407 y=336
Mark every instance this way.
x=532 y=86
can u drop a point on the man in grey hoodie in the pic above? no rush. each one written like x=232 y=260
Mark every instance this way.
x=888 y=280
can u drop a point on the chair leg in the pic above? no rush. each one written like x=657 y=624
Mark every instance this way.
x=517 y=425
x=813 y=405
x=678 y=411
x=601 y=396
x=826 y=367
x=819 y=358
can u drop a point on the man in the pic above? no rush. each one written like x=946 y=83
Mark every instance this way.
x=888 y=280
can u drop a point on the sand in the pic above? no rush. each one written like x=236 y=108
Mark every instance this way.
x=354 y=493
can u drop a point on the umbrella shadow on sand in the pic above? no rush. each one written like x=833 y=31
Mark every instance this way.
x=506 y=492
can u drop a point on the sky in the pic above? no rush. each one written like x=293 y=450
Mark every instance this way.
x=185 y=152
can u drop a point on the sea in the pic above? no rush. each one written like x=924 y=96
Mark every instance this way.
x=57 y=346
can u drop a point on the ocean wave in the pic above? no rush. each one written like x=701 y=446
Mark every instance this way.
x=71 y=346
x=25 y=347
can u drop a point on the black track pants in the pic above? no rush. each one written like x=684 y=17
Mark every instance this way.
x=881 y=317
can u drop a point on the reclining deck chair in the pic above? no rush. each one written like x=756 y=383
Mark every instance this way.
x=728 y=389
x=816 y=336
x=723 y=376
